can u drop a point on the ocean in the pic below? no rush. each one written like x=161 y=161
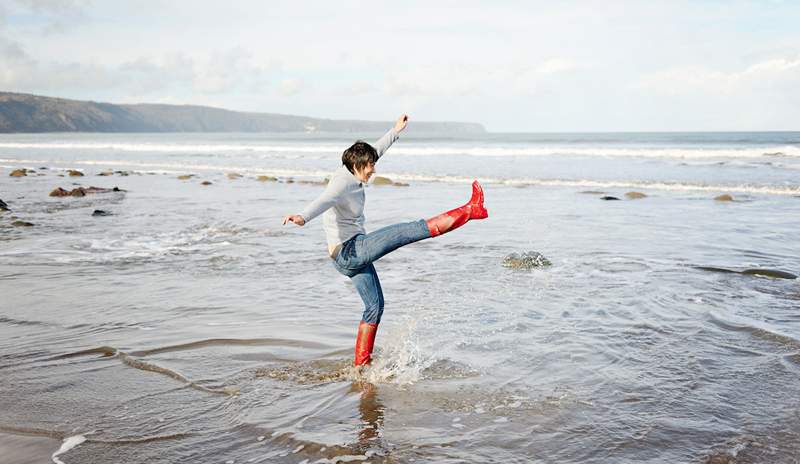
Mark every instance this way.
x=184 y=323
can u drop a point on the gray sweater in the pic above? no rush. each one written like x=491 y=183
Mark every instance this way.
x=343 y=201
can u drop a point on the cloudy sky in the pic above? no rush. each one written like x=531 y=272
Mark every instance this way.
x=511 y=65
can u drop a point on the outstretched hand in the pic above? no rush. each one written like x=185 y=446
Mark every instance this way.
x=296 y=218
x=401 y=123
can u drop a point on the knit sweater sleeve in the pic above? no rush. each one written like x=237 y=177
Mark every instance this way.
x=333 y=192
x=386 y=141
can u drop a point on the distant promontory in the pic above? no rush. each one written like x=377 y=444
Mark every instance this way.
x=32 y=113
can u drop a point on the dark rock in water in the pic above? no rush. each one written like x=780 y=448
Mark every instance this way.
x=3 y=206
x=775 y=274
x=608 y=198
x=122 y=173
x=74 y=173
x=19 y=173
x=724 y=197
x=82 y=191
x=100 y=212
x=527 y=260
x=205 y=182
x=59 y=192
x=635 y=195
x=22 y=224
x=106 y=173
x=43 y=168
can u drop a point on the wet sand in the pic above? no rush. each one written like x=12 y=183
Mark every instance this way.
x=22 y=449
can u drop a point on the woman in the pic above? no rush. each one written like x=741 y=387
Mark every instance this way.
x=352 y=249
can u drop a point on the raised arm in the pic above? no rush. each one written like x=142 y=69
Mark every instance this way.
x=327 y=199
x=390 y=137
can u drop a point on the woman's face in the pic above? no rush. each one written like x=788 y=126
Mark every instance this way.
x=365 y=173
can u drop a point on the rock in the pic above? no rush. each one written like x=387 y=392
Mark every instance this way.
x=312 y=182
x=3 y=206
x=82 y=191
x=774 y=273
x=100 y=212
x=43 y=168
x=74 y=173
x=290 y=181
x=106 y=173
x=635 y=195
x=205 y=182
x=763 y=272
x=186 y=177
x=122 y=173
x=59 y=192
x=266 y=179
x=19 y=173
x=234 y=175
x=527 y=260
x=22 y=224
x=378 y=180
x=608 y=198
x=725 y=197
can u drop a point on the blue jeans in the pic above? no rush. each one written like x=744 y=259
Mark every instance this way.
x=357 y=254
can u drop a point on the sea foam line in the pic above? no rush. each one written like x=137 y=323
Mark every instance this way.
x=174 y=168
x=791 y=151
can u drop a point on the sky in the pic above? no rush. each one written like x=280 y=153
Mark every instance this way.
x=514 y=66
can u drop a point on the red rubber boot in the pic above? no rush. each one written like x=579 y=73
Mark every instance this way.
x=365 y=341
x=456 y=218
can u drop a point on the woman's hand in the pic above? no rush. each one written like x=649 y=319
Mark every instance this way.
x=401 y=123
x=296 y=218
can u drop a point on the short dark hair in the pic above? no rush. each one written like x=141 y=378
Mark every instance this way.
x=358 y=156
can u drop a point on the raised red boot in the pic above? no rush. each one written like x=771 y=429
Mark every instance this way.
x=456 y=218
x=365 y=341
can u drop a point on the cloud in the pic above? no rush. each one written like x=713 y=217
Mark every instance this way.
x=701 y=79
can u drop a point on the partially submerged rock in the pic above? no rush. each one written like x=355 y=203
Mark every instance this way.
x=22 y=224
x=100 y=212
x=378 y=180
x=186 y=177
x=3 y=206
x=763 y=272
x=725 y=197
x=609 y=198
x=19 y=173
x=74 y=173
x=635 y=195
x=206 y=182
x=526 y=260
x=266 y=179
x=234 y=175
x=82 y=191
x=106 y=173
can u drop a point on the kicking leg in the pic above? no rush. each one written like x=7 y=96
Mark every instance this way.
x=456 y=218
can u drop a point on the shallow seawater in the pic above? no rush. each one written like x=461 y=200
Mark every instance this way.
x=190 y=326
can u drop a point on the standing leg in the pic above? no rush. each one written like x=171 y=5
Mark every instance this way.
x=369 y=287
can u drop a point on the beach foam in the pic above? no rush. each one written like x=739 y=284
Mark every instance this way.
x=69 y=443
